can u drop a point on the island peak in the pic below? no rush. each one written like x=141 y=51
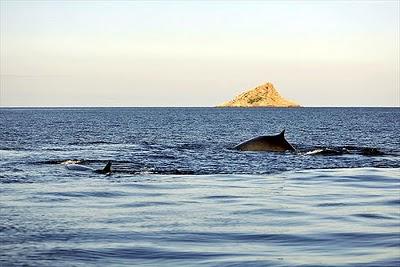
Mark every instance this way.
x=264 y=95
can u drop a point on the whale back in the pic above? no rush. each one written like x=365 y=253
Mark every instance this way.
x=266 y=143
x=78 y=167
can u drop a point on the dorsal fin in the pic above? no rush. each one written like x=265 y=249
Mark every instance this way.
x=282 y=134
x=107 y=168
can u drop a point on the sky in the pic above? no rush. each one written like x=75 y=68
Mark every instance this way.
x=188 y=53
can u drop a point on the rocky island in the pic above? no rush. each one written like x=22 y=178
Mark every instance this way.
x=264 y=95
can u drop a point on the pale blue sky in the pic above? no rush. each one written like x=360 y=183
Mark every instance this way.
x=88 y=53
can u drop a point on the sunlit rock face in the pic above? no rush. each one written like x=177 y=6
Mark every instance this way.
x=264 y=95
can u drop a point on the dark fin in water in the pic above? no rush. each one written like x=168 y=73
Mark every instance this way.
x=107 y=168
x=282 y=134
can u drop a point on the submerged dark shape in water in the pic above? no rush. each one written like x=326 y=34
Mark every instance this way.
x=78 y=167
x=266 y=143
x=329 y=152
x=371 y=151
x=365 y=151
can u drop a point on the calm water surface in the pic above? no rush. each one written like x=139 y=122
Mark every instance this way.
x=180 y=196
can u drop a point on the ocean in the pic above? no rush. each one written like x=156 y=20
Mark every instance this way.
x=179 y=195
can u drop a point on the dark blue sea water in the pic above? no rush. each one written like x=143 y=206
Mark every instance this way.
x=179 y=195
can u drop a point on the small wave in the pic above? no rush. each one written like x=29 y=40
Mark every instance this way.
x=372 y=216
x=162 y=156
x=100 y=194
x=129 y=253
x=60 y=161
x=175 y=172
x=191 y=146
x=147 y=204
x=53 y=149
x=8 y=148
x=338 y=204
x=12 y=180
x=100 y=142
x=213 y=237
x=392 y=202
x=363 y=239
x=264 y=211
x=15 y=149
x=81 y=161
x=223 y=197
x=71 y=161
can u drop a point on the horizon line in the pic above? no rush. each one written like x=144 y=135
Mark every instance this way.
x=301 y=107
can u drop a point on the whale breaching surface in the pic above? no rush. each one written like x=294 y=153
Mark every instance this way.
x=266 y=143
